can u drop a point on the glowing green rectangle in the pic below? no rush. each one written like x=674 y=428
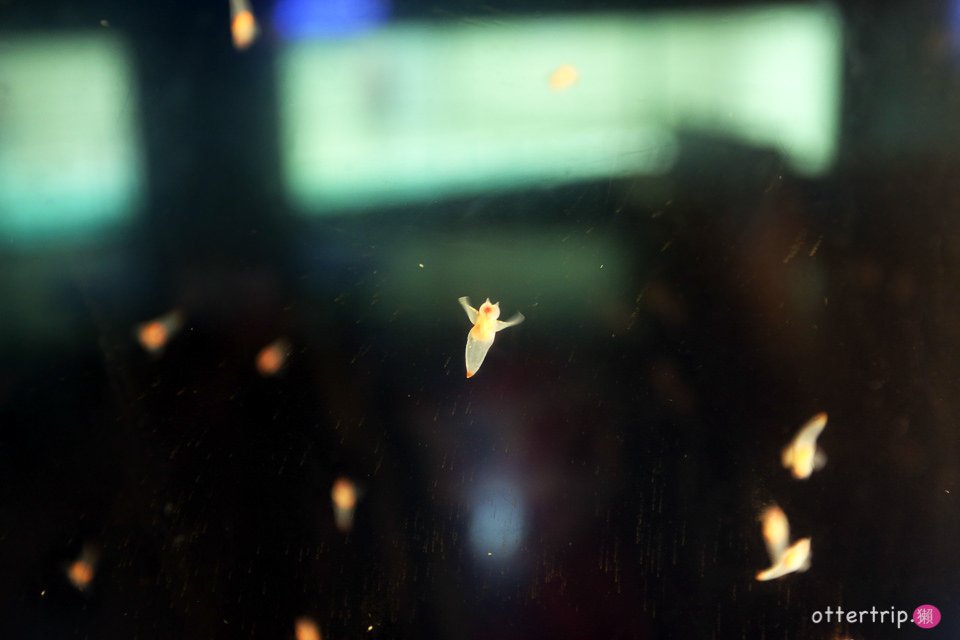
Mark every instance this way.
x=69 y=159
x=419 y=111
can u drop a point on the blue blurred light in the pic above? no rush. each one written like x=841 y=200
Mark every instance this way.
x=497 y=521
x=953 y=21
x=305 y=19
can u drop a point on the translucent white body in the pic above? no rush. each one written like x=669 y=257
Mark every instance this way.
x=796 y=558
x=486 y=323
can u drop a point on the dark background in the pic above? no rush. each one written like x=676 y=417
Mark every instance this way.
x=643 y=429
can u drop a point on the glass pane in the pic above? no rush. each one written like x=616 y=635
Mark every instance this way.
x=392 y=319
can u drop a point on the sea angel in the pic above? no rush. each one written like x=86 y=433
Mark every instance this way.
x=802 y=456
x=486 y=324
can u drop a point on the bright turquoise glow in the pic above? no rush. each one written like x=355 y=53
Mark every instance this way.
x=416 y=112
x=69 y=158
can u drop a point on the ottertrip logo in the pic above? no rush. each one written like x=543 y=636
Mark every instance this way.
x=926 y=616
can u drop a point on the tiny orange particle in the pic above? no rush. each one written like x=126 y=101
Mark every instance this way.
x=153 y=336
x=344 y=496
x=306 y=629
x=564 y=77
x=244 y=29
x=80 y=574
x=272 y=357
x=81 y=571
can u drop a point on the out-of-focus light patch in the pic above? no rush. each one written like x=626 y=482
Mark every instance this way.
x=415 y=112
x=766 y=76
x=305 y=19
x=953 y=20
x=497 y=518
x=70 y=162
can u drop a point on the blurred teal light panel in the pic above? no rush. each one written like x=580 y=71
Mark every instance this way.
x=767 y=76
x=415 y=112
x=70 y=163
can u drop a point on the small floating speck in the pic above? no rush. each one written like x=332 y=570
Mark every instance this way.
x=564 y=77
x=306 y=629
x=271 y=359
x=344 y=496
x=243 y=24
x=82 y=571
x=154 y=335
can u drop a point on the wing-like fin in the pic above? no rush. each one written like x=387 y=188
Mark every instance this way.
x=796 y=558
x=515 y=320
x=471 y=312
